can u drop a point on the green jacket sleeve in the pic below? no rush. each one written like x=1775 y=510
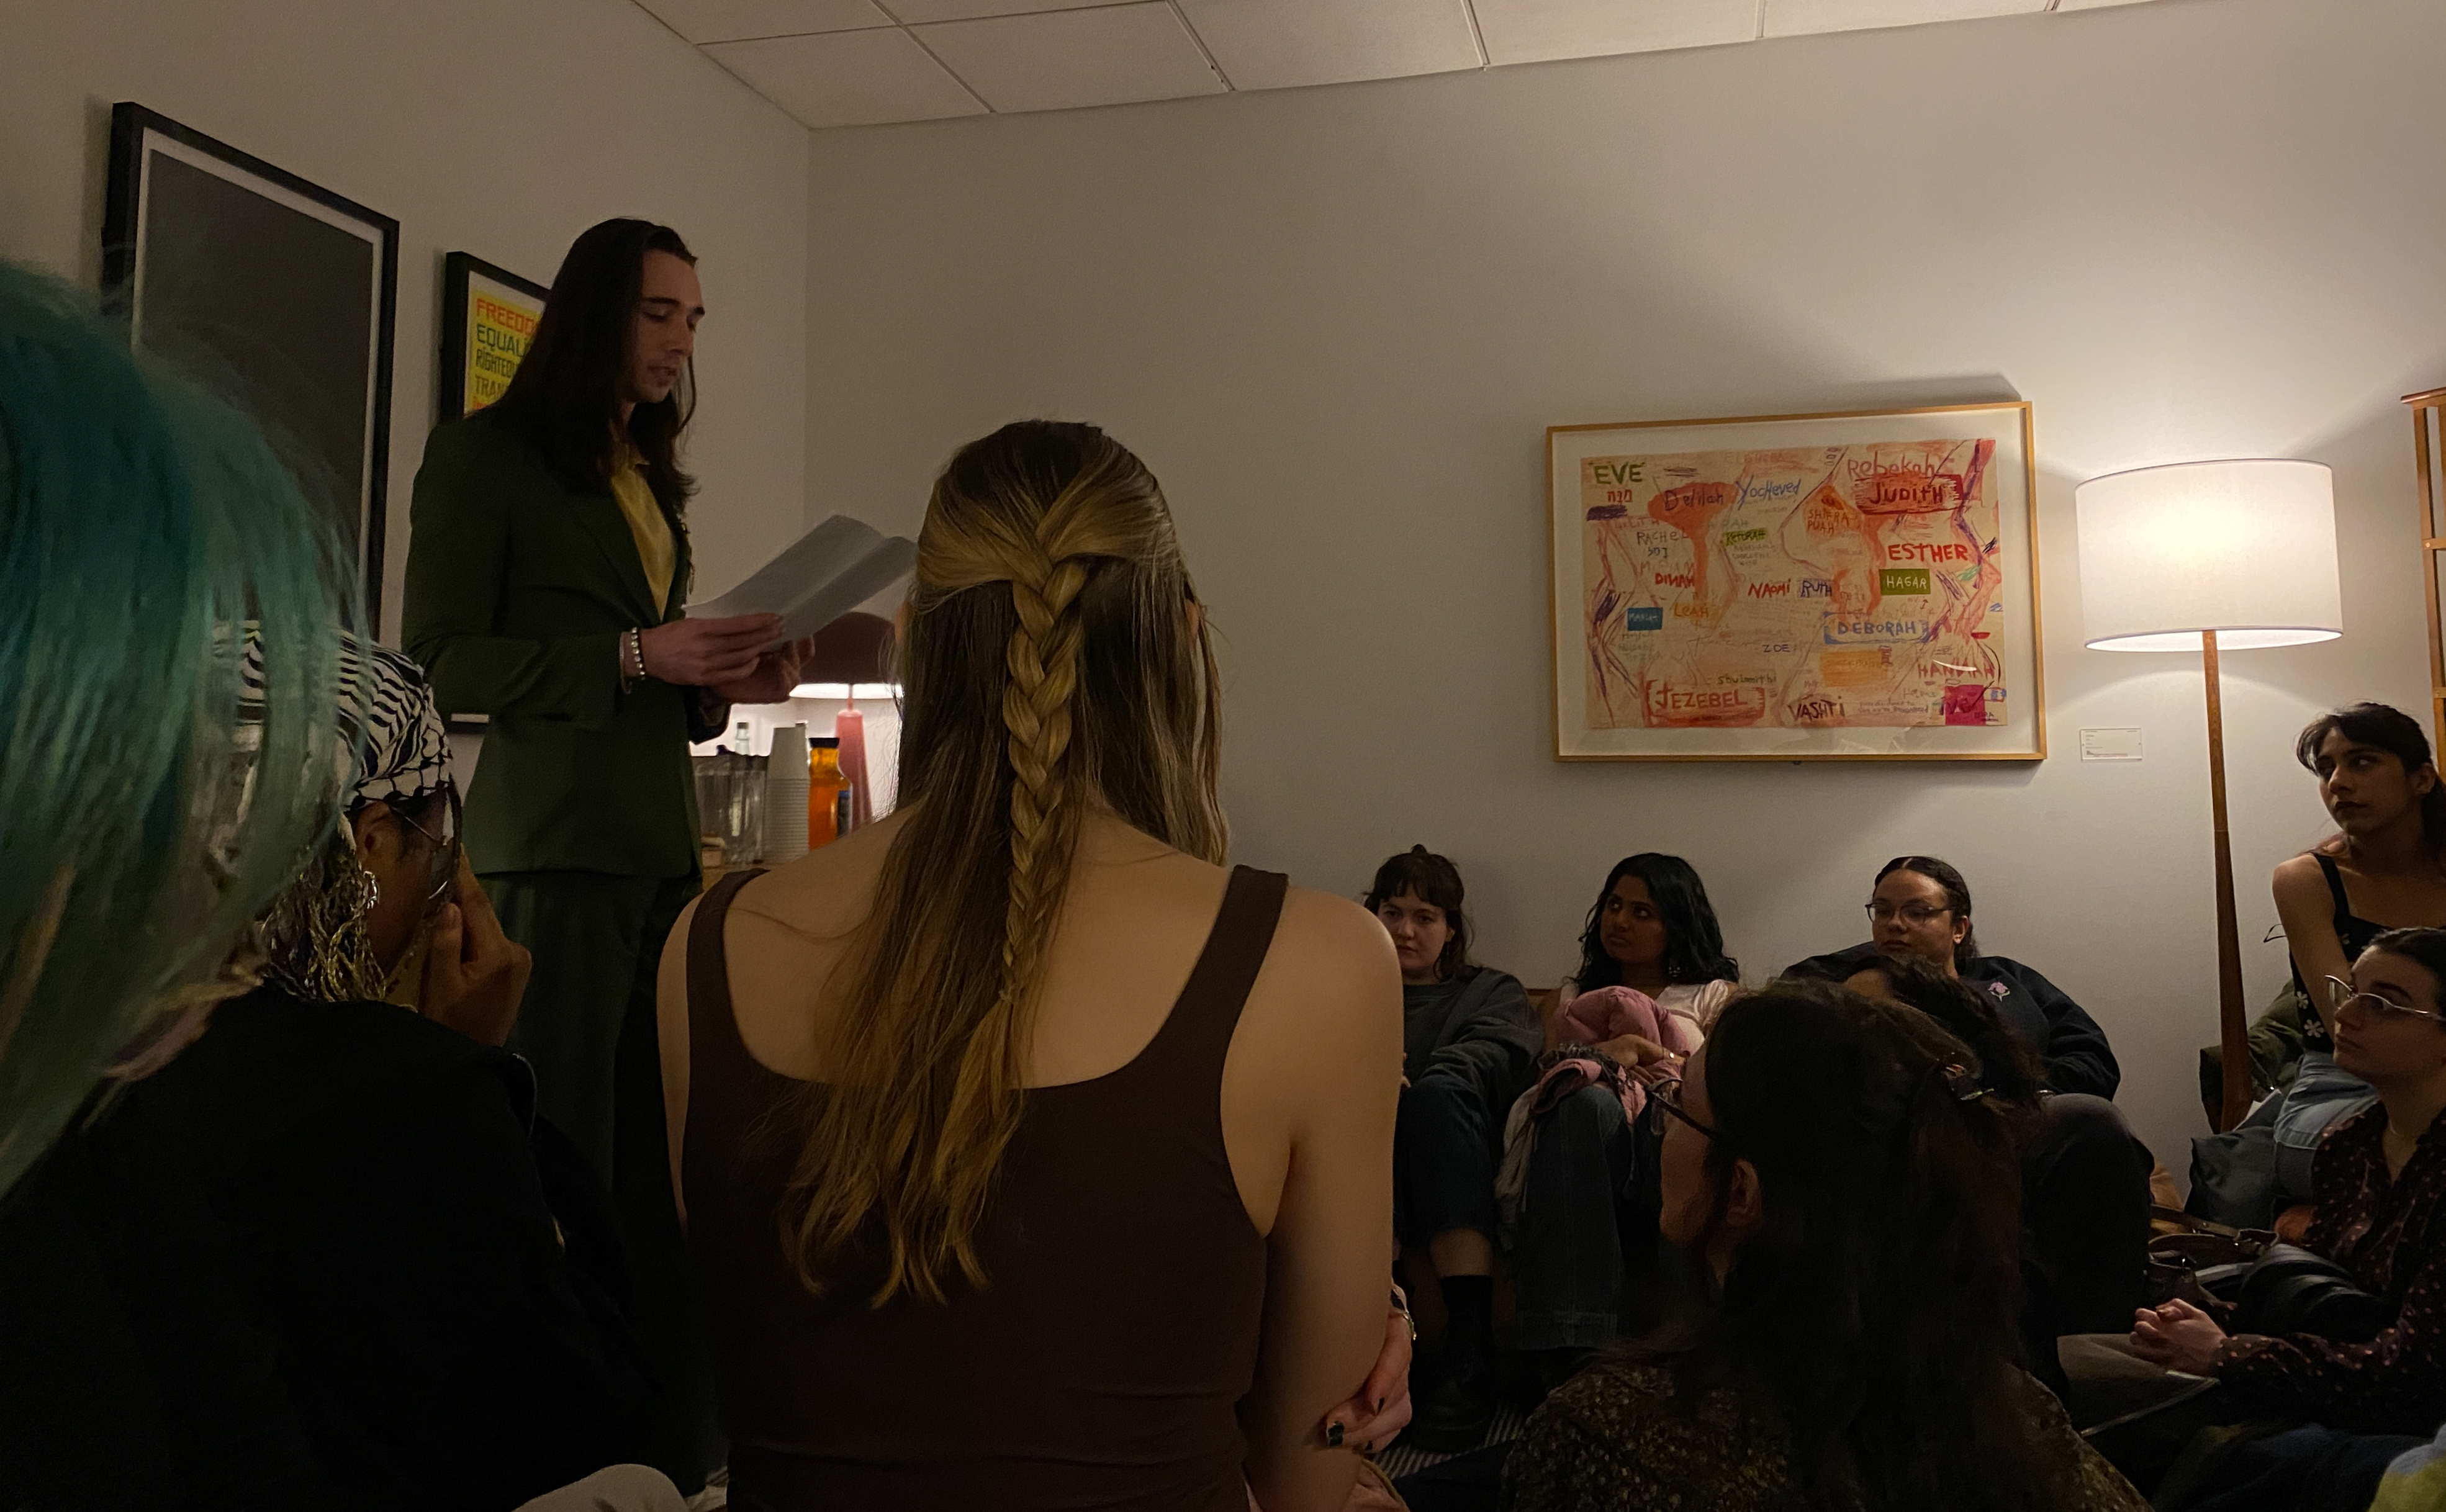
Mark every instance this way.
x=459 y=557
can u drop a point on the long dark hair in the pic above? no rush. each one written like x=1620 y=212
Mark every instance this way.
x=566 y=392
x=1429 y=878
x=1957 y=897
x=1874 y=1308
x=2006 y=1067
x=1694 y=943
x=2390 y=730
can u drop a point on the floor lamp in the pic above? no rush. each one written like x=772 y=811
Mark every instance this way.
x=2211 y=556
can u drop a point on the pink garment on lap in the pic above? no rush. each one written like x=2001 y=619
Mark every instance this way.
x=1609 y=1013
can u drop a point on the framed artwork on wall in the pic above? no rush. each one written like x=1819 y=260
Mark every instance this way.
x=1852 y=586
x=488 y=318
x=276 y=291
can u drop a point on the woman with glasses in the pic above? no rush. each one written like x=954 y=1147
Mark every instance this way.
x=2381 y=1176
x=2384 y=868
x=1835 y=1173
x=1921 y=906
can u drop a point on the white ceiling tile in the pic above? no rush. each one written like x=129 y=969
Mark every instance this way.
x=915 y=11
x=1062 y=59
x=1281 y=43
x=848 y=78
x=2092 y=5
x=1792 y=18
x=1535 y=31
x=729 y=20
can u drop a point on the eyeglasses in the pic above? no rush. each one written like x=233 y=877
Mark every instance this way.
x=445 y=851
x=1913 y=914
x=1668 y=1095
x=2341 y=995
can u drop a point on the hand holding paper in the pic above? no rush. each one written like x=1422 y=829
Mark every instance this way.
x=822 y=576
x=701 y=652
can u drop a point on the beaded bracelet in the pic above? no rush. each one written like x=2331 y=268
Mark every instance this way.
x=632 y=659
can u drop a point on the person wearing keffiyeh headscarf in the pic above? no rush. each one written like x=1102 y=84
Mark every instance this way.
x=436 y=1264
x=385 y=881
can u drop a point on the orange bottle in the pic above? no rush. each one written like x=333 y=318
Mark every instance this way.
x=824 y=783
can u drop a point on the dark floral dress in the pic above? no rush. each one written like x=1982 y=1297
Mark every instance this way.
x=2391 y=1234
x=1618 y=1439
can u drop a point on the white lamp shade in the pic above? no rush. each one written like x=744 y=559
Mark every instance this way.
x=2247 y=549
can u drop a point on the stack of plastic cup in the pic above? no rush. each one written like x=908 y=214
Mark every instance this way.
x=785 y=796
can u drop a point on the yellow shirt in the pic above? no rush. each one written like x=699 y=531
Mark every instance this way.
x=655 y=547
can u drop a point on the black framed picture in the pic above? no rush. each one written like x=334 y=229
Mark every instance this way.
x=488 y=319
x=278 y=292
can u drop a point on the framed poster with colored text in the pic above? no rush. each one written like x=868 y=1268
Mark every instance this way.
x=1798 y=587
x=488 y=317
x=275 y=291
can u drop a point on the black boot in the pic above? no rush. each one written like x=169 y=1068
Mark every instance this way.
x=1458 y=1408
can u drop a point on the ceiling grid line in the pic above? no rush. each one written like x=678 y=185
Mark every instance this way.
x=912 y=33
x=851 y=63
x=1205 y=51
x=1476 y=33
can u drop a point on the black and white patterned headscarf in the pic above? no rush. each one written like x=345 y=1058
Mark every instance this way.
x=388 y=716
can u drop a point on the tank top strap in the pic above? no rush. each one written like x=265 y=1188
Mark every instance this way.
x=2335 y=889
x=1198 y=1035
x=721 y=1075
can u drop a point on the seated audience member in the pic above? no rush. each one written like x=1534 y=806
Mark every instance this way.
x=1470 y=1043
x=987 y=1208
x=1831 y=1166
x=1653 y=931
x=1651 y=949
x=2384 y=869
x=2381 y=1176
x=2084 y=1173
x=140 y=522
x=147 y=823
x=441 y=1325
x=1922 y=908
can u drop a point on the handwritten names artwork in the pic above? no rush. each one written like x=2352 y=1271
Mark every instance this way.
x=1861 y=591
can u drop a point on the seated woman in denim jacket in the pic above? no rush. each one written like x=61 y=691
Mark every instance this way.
x=2381 y=1215
x=2383 y=869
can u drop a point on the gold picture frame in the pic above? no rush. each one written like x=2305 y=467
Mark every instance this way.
x=1850 y=586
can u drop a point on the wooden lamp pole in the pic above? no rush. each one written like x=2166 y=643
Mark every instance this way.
x=2232 y=1032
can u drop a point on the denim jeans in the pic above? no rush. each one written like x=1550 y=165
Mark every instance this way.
x=1572 y=1266
x=2319 y=1097
x=1444 y=1161
x=2085 y=1215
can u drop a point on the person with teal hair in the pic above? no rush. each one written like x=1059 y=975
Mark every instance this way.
x=175 y=618
x=142 y=526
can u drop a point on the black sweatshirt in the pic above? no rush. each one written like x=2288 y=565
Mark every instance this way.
x=2078 y=1056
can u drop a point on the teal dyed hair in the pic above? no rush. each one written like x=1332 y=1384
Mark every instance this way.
x=142 y=525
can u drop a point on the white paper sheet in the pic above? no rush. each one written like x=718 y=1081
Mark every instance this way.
x=819 y=577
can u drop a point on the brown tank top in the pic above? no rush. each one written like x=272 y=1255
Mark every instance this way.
x=1101 y=1364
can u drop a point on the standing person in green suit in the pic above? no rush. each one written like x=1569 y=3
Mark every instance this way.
x=547 y=573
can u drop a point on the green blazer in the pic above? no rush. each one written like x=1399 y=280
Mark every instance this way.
x=520 y=590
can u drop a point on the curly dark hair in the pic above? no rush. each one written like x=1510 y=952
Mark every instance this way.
x=1429 y=878
x=1874 y=1310
x=1694 y=942
x=2006 y=1067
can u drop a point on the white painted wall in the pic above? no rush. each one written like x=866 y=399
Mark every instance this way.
x=1336 y=321
x=504 y=130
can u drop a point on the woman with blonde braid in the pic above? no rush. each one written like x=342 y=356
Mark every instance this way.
x=1033 y=1158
